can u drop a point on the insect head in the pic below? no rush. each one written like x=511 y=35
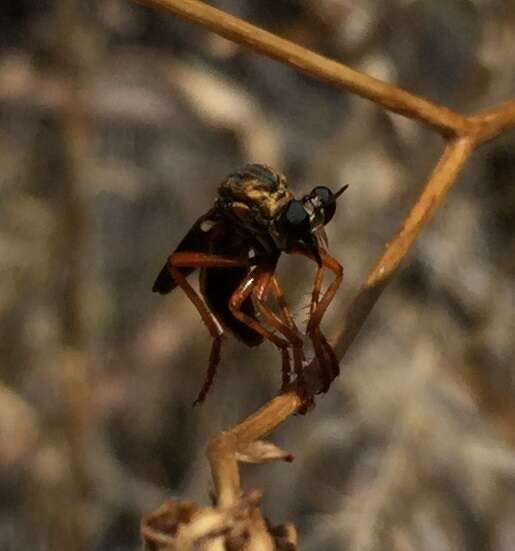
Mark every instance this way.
x=258 y=199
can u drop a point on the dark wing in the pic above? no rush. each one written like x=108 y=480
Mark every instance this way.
x=196 y=240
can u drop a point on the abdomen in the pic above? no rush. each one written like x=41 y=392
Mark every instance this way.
x=218 y=285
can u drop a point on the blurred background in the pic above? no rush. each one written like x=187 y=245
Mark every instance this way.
x=117 y=124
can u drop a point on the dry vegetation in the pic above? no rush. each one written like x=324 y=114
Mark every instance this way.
x=117 y=124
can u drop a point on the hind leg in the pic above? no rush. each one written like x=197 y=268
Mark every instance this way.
x=200 y=260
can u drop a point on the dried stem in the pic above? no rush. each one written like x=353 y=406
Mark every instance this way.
x=492 y=122
x=465 y=134
x=391 y=97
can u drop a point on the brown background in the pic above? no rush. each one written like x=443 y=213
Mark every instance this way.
x=117 y=124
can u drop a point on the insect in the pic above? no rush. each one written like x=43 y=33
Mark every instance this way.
x=236 y=246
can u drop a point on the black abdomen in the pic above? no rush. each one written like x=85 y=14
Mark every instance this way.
x=218 y=285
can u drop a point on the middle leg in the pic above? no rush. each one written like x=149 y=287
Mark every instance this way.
x=286 y=327
x=280 y=299
x=256 y=283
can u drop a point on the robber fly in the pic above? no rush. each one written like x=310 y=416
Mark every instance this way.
x=236 y=245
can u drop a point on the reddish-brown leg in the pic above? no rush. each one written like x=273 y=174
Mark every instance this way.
x=255 y=277
x=326 y=356
x=288 y=318
x=323 y=350
x=256 y=280
x=324 y=361
x=319 y=310
x=287 y=329
x=200 y=260
x=317 y=287
x=281 y=301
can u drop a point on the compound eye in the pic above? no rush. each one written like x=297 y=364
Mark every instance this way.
x=294 y=218
x=324 y=194
x=327 y=201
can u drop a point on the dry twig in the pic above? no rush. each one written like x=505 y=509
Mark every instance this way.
x=464 y=135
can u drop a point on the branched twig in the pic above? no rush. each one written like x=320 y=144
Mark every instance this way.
x=464 y=135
